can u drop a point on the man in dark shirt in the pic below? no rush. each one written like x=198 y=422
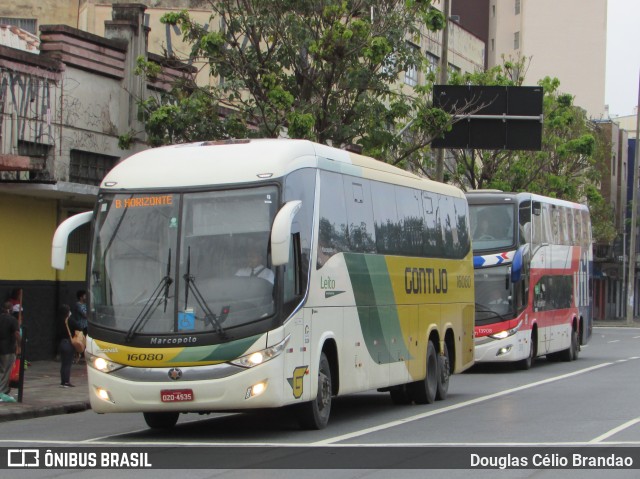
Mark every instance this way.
x=9 y=345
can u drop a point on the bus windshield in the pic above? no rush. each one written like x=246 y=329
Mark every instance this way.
x=183 y=263
x=494 y=301
x=492 y=226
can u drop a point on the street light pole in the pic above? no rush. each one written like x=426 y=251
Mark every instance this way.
x=634 y=212
x=444 y=66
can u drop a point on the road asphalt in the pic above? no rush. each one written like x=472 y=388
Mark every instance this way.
x=43 y=396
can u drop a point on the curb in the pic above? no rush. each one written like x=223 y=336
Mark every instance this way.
x=37 y=412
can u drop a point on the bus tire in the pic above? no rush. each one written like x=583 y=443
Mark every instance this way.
x=424 y=392
x=527 y=362
x=315 y=414
x=444 y=373
x=161 y=420
x=571 y=353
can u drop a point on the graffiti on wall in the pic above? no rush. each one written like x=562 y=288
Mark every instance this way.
x=30 y=98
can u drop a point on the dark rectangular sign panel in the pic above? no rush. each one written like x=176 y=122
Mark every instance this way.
x=516 y=112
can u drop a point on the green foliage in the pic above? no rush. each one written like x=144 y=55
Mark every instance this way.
x=434 y=20
x=327 y=70
x=126 y=140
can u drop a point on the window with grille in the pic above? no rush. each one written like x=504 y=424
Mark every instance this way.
x=517 y=7
x=411 y=73
x=516 y=41
x=27 y=24
x=432 y=62
x=89 y=168
x=411 y=76
x=79 y=239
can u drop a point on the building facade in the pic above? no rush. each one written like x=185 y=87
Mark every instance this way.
x=564 y=39
x=62 y=110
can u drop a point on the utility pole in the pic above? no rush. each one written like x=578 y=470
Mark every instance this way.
x=444 y=65
x=634 y=212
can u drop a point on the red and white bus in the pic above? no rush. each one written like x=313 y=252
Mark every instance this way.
x=532 y=264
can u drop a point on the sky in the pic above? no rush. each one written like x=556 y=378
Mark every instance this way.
x=623 y=56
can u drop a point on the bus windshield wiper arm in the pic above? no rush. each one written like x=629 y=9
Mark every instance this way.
x=481 y=308
x=209 y=316
x=167 y=283
x=149 y=307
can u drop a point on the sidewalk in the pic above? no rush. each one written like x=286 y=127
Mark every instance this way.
x=622 y=323
x=42 y=394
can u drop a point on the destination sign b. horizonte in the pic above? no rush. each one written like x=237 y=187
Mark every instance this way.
x=327 y=457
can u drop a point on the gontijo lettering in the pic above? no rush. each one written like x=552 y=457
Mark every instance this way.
x=144 y=201
x=425 y=281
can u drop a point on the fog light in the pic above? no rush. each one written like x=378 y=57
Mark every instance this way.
x=104 y=395
x=256 y=390
x=503 y=351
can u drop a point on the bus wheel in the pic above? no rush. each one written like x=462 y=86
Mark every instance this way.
x=161 y=420
x=315 y=414
x=424 y=392
x=526 y=363
x=571 y=353
x=443 y=374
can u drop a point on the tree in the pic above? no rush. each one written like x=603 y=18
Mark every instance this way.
x=568 y=166
x=325 y=70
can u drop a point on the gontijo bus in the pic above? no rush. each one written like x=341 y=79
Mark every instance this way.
x=532 y=264
x=369 y=281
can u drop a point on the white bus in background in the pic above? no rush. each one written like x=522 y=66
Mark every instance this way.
x=252 y=274
x=532 y=260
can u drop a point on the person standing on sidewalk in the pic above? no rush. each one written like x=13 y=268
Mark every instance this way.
x=79 y=312
x=9 y=347
x=67 y=325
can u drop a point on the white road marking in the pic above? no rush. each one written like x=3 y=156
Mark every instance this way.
x=42 y=443
x=334 y=440
x=453 y=407
x=615 y=430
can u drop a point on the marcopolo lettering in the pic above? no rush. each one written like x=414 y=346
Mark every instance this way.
x=177 y=341
x=425 y=281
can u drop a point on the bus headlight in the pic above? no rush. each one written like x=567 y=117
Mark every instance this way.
x=102 y=364
x=506 y=333
x=260 y=357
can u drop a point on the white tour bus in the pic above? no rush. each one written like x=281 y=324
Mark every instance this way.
x=250 y=274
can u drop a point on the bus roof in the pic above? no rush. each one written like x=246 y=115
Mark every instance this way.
x=497 y=196
x=243 y=161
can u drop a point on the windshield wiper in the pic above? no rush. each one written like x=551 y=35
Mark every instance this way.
x=152 y=303
x=209 y=316
x=167 y=283
x=481 y=308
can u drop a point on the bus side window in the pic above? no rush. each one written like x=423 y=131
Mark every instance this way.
x=385 y=215
x=333 y=233
x=361 y=229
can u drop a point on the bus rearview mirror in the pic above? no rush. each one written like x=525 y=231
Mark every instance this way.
x=61 y=236
x=281 y=232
